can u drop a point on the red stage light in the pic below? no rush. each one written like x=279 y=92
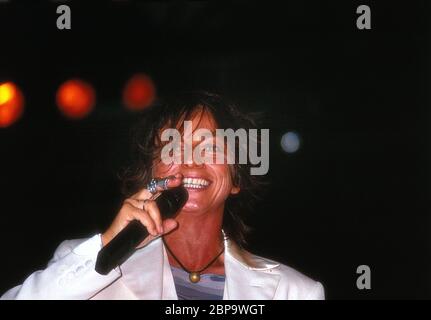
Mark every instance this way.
x=76 y=98
x=11 y=104
x=139 y=92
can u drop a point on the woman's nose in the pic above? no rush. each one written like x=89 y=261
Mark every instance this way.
x=193 y=164
x=190 y=161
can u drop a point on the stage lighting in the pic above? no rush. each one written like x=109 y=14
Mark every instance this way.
x=76 y=98
x=11 y=104
x=139 y=92
x=290 y=142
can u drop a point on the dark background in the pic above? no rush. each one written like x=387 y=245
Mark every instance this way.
x=355 y=193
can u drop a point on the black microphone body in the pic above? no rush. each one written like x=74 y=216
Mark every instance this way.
x=124 y=244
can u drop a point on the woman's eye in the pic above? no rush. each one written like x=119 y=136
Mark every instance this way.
x=211 y=148
x=178 y=148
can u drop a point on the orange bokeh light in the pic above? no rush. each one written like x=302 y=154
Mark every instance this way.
x=11 y=104
x=139 y=92
x=76 y=98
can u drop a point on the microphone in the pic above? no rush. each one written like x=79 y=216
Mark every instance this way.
x=124 y=244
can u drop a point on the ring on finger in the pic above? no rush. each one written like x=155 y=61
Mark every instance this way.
x=154 y=183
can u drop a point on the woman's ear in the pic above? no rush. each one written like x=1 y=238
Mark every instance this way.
x=235 y=190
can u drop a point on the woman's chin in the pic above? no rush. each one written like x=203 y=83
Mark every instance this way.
x=192 y=207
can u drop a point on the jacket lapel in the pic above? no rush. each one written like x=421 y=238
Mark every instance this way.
x=147 y=273
x=248 y=277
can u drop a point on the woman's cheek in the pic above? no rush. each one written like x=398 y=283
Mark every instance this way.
x=162 y=170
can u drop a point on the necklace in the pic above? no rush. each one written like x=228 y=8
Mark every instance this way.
x=194 y=276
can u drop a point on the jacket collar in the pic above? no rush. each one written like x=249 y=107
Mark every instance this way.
x=245 y=258
x=247 y=276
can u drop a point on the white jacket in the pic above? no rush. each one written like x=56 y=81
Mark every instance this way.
x=147 y=275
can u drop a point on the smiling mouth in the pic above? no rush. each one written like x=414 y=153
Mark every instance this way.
x=196 y=183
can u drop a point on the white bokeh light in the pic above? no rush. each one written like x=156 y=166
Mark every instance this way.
x=290 y=142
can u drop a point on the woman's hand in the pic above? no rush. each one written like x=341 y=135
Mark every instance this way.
x=140 y=207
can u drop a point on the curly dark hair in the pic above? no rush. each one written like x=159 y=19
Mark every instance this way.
x=173 y=110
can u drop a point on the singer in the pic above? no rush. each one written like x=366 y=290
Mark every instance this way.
x=197 y=254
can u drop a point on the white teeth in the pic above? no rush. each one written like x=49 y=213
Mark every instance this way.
x=195 y=183
x=194 y=186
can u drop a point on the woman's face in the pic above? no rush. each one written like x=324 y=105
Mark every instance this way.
x=208 y=184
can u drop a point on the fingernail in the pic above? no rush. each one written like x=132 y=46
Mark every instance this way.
x=161 y=229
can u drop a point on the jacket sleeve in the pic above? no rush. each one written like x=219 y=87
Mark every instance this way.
x=69 y=275
x=317 y=293
x=294 y=285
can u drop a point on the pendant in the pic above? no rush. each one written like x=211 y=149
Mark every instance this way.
x=194 y=277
